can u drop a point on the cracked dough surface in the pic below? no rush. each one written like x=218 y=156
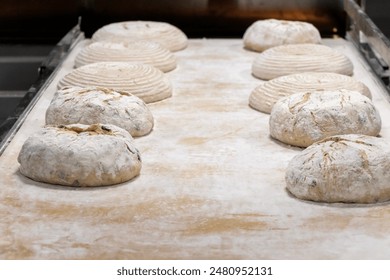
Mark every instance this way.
x=304 y=118
x=100 y=105
x=344 y=168
x=80 y=155
x=264 y=34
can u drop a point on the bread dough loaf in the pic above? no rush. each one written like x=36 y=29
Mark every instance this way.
x=144 y=52
x=291 y=59
x=100 y=105
x=144 y=81
x=169 y=36
x=264 y=96
x=264 y=34
x=344 y=168
x=304 y=118
x=80 y=155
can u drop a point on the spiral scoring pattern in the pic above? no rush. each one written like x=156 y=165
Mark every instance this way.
x=167 y=35
x=290 y=59
x=144 y=81
x=146 y=52
x=264 y=96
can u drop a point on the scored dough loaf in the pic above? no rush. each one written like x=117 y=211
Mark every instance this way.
x=145 y=52
x=80 y=155
x=264 y=34
x=298 y=58
x=304 y=118
x=144 y=81
x=343 y=168
x=100 y=105
x=264 y=96
x=169 y=36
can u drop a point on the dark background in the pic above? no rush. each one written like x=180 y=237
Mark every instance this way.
x=379 y=12
x=44 y=21
x=47 y=21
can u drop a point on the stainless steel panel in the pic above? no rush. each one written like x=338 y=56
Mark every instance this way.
x=369 y=39
x=368 y=30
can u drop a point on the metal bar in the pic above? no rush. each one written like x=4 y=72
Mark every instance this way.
x=47 y=71
x=373 y=36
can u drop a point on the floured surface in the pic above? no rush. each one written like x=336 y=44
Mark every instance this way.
x=211 y=185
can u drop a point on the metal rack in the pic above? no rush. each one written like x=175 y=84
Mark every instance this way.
x=369 y=39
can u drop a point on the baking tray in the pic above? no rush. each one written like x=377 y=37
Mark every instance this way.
x=211 y=185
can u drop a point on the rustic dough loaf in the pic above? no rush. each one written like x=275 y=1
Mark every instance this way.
x=343 y=168
x=144 y=81
x=264 y=34
x=264 y=96
x=80 y=155
x=304 y=118
x=291 y=59
x=100 y=105
x=167 y=35
x=144 y=52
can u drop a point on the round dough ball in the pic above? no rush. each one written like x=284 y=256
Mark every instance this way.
x=343 y=168
x=144 y=81
x=80 y=155
x=144 y=52
x=264 y=96
x=100 y=105
x=291 y=59
x=304 y=118
x=264 y=34
x=169 y=36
